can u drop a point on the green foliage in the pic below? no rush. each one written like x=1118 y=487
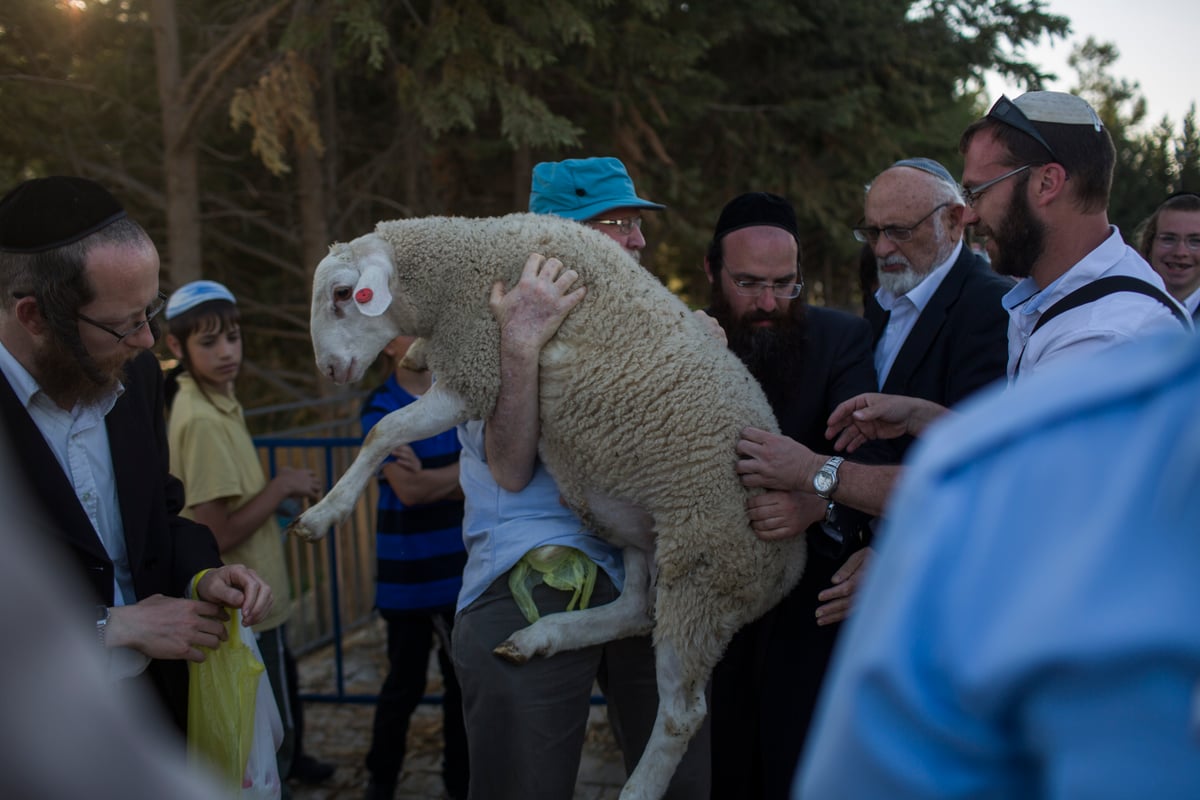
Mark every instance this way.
x=1150 y=165
x=443 y=106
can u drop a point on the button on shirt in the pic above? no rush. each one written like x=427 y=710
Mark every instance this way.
x=903 y=312
x=1090 y=328
x=79 y=442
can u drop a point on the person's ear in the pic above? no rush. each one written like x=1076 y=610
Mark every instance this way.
x=29 y=314
x=954 y=221
x=708 y=270
x=1049 y=184
x=175 y=346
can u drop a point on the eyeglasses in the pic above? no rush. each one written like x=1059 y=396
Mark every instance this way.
x=1169 y=241
x=1006 y=111
x=971 y=194
x=892 y=232
x=152 y=311
x=623 y=226
x=783 y=291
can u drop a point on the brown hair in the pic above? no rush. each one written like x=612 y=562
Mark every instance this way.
x=1148 y=229
x=1086 y=154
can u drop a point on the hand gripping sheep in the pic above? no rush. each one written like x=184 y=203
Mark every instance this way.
x=640 y=410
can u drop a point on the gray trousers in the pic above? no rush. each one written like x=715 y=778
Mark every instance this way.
x=526 y=724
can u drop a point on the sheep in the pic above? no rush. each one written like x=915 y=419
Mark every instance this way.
x=640 y=410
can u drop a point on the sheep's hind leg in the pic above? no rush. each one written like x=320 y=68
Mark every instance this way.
x=628 y=615
x=681 y=711
x=436 y=411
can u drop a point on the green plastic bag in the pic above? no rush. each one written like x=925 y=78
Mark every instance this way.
x=559 y=567
x=221 y=701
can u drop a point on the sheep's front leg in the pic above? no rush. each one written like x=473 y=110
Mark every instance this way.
x=628 y=615
x=436 y=411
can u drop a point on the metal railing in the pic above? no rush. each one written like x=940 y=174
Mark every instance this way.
x=333 y=580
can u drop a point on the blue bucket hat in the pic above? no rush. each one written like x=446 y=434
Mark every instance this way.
x=583 y=188
x=193 y=294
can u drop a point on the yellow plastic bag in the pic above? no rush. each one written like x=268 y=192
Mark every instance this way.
x=221 y=700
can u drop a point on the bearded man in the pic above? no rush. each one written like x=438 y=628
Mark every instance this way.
x=808 y=360
x=941 y=330
x=81 y=396
x=1037 y=173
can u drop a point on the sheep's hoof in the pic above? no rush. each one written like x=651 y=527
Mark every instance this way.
x=299 y=529
x=509 y=651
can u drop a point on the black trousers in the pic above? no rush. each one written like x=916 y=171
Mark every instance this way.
x=409 y=638
x=765 y=690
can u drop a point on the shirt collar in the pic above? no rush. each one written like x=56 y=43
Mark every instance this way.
x=224 y=403
x=27 y=389
x=1086 y=270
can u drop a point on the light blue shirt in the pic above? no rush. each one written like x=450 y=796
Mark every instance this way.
x=1091 y=328
x=79 y=441
x=1030 y=628
x=499 y=527
x=903 y=314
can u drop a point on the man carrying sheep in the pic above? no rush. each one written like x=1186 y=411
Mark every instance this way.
x=525 y=724
x=807 y=360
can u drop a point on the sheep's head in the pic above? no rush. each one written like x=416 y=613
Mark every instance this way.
x=350 y=322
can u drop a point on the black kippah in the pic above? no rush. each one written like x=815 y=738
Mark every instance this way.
x=756 y=208
x=46 y=213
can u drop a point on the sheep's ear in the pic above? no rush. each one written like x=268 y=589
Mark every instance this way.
x=371 y=293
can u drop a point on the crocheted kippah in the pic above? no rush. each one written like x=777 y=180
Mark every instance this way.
x=193 y=294
x=45 y=213
x=927 y=165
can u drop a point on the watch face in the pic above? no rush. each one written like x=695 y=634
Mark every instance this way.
x=823 y=481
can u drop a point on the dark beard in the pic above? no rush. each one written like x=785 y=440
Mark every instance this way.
x=1020 y=239
x=59 y=374
x=774 y=355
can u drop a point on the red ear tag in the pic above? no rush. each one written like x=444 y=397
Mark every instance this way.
x=364 y=295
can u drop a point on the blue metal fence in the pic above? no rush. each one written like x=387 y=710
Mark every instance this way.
x=333 y=579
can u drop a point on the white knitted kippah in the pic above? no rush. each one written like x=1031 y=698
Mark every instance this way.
x=1057 y=107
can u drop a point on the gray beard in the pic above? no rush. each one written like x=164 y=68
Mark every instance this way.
x=901 y=283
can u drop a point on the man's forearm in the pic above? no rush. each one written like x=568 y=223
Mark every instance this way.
x=511 y=433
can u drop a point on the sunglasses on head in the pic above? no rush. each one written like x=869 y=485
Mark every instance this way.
x=1006 y=111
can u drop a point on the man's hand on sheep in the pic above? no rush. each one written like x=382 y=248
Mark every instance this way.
x=530 y=313
x=773 y=461
x=838 y=598
x=782 y=515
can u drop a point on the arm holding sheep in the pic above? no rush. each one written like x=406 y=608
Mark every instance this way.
x=529 y=315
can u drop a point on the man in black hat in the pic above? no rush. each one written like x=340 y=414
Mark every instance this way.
x=81 y=396
x=808 y=359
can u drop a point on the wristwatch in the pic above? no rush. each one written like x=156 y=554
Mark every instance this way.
x=102 y=615
x=825 y=482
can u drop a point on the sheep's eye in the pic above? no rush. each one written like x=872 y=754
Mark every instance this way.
x=341 y=294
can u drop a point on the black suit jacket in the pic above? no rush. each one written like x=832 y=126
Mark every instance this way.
x=164 y=549
x=838 y=365
x=959 y=343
